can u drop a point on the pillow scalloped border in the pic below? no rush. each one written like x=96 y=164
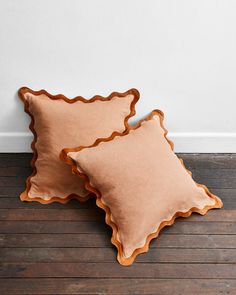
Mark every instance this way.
x=120 y=255
x=21 y=93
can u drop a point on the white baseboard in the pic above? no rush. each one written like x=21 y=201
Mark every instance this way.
x=195 y=142
x=15 y=142
x=18 y=142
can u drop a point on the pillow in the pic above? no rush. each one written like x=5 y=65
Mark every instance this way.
x=140 y=183
x=56 y=122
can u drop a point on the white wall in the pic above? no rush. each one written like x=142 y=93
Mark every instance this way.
x=181 y=55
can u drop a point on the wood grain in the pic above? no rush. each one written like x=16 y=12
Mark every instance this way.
x=162 y=255
x=118 y=286
x=97 y=240
x=96 y=214
x=66 y=249
x=114 y=270
x=183 y=227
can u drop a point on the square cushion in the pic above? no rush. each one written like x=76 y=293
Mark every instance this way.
x=140 y=183
x=56 y=122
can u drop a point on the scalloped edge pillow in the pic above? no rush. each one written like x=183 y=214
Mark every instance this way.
x=140 y=183
x=56 y=122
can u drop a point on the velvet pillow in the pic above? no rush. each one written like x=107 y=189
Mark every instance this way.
x=56 y=122
x=140 y=183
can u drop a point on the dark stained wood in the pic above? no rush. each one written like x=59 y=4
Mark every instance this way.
x=217 y=182
x=194 y=160
x=66 y=249
x=222 y=181
x=15 y=159
x=188 y=241
x=52 y=227
x=214 y=173
x=114 y=270
x=97 y=214
x=15 y=171
x=118 y=286
x=12 y=181
x=11 y=191
x=196 y=227
x=58 y=214
x=16 y=203
x=209 y=161
x=162 y=255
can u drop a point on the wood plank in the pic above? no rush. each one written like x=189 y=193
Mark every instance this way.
x=215 y=178
x=210 y=161
x=97 y=227
x=118 y=286
x=193 y=160
x=212 y=183
x=206 y=172
x=15 y=171
x=228 y=197
x=223 y=160
x=114 y=270
x=60 y=214
x=12 y=173
x=52 y=227
x=12 y=181
x=97 y=214
x=213 y=216
x=15 y=159
x=162 y=255
x=103 y=240
x=224 y=193
x=16 y=203
x=214 y=173
x=11 y=191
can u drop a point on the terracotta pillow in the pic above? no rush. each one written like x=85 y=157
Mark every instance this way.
x=56 y=122
x=140 y=183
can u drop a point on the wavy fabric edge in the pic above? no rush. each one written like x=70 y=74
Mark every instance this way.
x=22 y=91
x=108 y=218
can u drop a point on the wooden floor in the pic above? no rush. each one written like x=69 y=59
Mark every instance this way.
x=66 y=249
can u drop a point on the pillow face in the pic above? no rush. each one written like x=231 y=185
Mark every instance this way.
x=57 y=122
x=140 y=183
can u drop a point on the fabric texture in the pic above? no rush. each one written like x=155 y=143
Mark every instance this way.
x=56 y=122
x=140 y=183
